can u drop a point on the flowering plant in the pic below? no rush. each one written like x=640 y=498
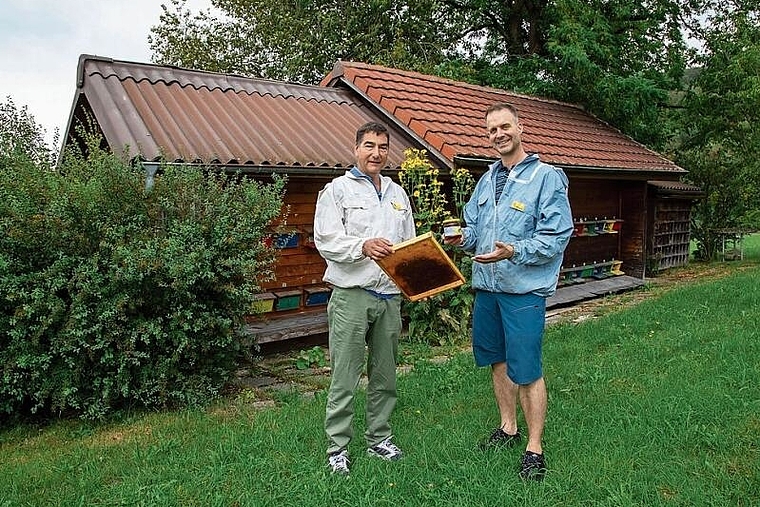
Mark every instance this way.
x=464 y=183
x=420 y=180
x=443 y=318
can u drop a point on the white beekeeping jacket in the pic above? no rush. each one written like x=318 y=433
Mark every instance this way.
x=349 y=212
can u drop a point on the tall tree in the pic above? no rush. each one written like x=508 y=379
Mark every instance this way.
x=617 y=58
x=720 y=138
x=21 y=136
x=300 y=40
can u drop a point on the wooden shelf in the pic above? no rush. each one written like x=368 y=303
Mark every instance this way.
x=587 y=272
x=596 y=227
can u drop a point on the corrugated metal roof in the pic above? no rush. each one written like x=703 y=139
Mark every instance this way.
x=194 y=116
x=449 y=116
x=676 y=187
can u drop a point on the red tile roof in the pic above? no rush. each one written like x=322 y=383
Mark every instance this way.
x=449 y=117
x=194 y=116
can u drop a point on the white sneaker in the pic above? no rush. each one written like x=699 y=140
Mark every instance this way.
x=386 y=450
x=339 y=462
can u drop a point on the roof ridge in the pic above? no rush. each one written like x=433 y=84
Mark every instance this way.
x=200 y=79
x=83 y=58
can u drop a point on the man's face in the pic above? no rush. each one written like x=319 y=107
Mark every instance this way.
x=372 y=153
x=504 y=131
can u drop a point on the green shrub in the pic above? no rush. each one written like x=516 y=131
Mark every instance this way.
x=111 y=295
x=21 y=136
x=313 y=357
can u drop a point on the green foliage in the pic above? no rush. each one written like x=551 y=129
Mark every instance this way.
x=463 y=185
x=313 y=357
x=444 y=318
x=629 y=51
x=617 y=59
x=20 y=137
x=111 y=295
x=720 y=138
x=301 y=41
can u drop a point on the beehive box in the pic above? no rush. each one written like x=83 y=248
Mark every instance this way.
x=287 y=299
x=263 y=302
x=286 y=240
x=316 y=296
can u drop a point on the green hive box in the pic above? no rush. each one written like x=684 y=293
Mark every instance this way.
x=287 y=299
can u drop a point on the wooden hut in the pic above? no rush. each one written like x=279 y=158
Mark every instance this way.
x=259 y=127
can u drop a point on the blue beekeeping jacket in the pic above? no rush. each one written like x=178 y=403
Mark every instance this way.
x=533 y=214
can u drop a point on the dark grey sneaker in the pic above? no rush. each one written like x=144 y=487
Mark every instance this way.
x=499 y=438
x=339 y=462
x=386 y=450
x=532 y=467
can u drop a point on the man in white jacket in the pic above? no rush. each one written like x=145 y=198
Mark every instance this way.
x=359 y=217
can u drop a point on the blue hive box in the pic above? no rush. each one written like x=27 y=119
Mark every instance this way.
x=316 y=296
x=286 y=240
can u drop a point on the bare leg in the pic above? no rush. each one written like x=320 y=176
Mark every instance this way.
x=505 y=392
x=533 y=403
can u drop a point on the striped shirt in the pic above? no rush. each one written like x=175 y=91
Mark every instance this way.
x=501 y=175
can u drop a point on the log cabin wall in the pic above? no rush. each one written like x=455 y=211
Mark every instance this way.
x=299 y=267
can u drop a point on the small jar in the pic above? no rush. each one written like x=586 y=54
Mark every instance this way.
x=452 y=228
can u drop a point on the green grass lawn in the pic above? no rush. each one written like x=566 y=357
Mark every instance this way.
x=752 y=247
x=654 y=404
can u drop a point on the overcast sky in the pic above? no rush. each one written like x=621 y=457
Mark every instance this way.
x=41 y=40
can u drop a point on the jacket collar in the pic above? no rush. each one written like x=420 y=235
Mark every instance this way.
x=521 y=172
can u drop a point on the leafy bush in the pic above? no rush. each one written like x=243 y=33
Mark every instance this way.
x=113 y=295
x=313 y=357
x=444 y=318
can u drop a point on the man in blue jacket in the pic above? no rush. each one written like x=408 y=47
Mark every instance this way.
x=518 y=223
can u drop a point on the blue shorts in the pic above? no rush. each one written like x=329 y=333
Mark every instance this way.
x=509 y=328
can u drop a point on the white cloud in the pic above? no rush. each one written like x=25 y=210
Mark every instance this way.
x=41 y=40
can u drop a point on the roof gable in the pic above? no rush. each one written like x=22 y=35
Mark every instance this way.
x=177 y=114
x=448 y=116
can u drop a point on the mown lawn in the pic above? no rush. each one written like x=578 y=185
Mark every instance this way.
x=652 y=404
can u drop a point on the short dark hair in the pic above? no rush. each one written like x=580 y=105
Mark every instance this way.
x=502 y=105
x=374 y=127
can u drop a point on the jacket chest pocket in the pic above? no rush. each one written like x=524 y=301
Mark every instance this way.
x=357 y=217
x=518 y=224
